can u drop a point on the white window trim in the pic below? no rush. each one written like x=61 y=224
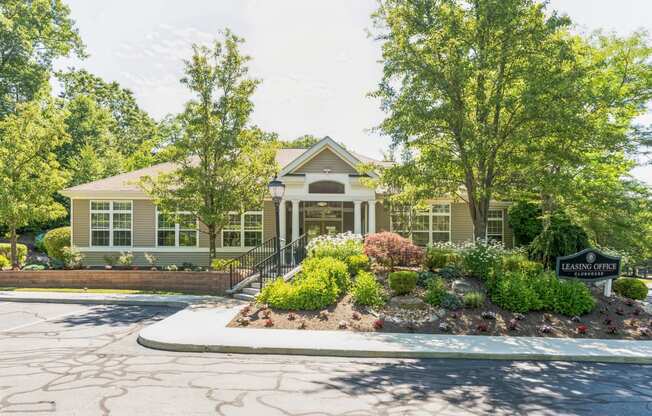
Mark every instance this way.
x=502 y=224
x=176 y=232
x=242 y=230
x=430 y=214
x=91 y=211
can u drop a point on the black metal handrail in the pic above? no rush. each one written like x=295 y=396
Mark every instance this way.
x=291 y=255
x=244 y=266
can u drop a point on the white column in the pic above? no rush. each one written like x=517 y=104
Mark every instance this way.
x=371 y=217
x=295 y=220
x=281 y=216
x=357 y=217
x=607 y=288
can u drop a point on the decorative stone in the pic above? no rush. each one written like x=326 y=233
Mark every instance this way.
x=444 y=326
x=462 y=286
x=343 y=325
x=407 y=302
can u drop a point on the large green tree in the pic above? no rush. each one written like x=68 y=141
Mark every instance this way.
x=32 y=35
x=496 y=98
x=224 y=164
x=29 y=171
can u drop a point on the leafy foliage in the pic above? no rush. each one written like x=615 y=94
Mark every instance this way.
x=224 y=165
x=335 y=269
x=357 y=264
x=403 y=282
x=437 y=257
x=525 y=221
x=55 y=241
x=473 y=300
x=391 y=250
x=631 y=288
x=435 y=292
x=481 y=257
x=450 y=301
x=21 y=251
x=561 y=238
x=367 y=291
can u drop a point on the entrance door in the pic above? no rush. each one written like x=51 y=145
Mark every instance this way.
x=322 y=218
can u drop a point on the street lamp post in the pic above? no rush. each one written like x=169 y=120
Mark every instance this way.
x=277 y=190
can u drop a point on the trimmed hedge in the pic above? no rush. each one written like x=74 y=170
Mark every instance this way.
x=55 y=240
x=630 y=288
x=403 y=282
x=320 y=283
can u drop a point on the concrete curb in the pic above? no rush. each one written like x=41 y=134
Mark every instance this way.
x=205 y=331
x=388 y=354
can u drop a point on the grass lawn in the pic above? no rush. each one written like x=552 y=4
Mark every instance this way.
x=76 y=290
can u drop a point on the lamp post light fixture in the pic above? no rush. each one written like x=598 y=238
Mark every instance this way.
x=277 y=190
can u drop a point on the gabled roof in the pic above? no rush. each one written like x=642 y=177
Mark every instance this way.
x=326 y=143
x=287 y=159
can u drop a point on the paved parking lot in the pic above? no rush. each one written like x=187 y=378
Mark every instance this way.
x=84 y=360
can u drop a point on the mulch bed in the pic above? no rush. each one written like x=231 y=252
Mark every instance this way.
x=613 y=318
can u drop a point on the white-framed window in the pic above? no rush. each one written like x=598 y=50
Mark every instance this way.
x=495 y=220
x=180 y=229
x=111 y=223
x=428 y=226
x=243 y=230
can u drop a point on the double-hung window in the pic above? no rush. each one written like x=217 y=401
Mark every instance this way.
x=423 y=227
x=111 y=223
x=176 y=230
x=495 y=224
x=243 y=230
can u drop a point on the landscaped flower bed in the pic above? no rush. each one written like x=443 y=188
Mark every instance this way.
x=478 y=289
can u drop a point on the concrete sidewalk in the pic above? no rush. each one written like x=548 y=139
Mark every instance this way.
x=204 y=330
x=175 y=301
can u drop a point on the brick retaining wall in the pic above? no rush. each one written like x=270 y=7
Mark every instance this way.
x=189 y=282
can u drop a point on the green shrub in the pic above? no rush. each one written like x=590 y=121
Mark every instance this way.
x=514 y=293
x=423 y=277
x=545 y=286
x=561 y=238
x=520 y=263
x=439 y=256
x=573 y=298
x=72 y=258
x=367 y=291
x=334 y=269
x=4 y=262
x=21 y=249
x=481 y=257
x=402 y=282
x=450 y=272
x=39 y=243
x=55 y=240
x=450 y=301
x=435 y=292
x=357 y=264
x=307 y=294
x=525 y=220
x=630 y=288
x=473 y=300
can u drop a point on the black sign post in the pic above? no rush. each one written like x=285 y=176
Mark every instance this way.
x=589 y=265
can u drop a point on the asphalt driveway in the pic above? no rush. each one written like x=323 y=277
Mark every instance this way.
x=84 y=360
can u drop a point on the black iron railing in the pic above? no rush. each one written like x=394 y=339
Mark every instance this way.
x=291 y=256
x=244 y=266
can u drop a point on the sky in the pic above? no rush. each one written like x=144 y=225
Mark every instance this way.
x=315 y=58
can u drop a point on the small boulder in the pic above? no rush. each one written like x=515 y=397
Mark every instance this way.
x=407 y=302
x=461 y=286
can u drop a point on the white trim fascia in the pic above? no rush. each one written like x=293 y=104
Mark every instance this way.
x=309 y=154
x=100 y=195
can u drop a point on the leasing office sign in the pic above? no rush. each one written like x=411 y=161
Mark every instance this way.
x=588 y=264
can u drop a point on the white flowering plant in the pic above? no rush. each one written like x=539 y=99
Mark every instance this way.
x=340 y=246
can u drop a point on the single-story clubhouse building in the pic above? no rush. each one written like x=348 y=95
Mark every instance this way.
x=324 y=195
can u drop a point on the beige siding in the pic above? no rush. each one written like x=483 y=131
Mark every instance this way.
x=96 y=258
x=382 y=217
x=326 y=159
x=461 y=223
x=269 y=220
x=144 y=225
x=81 y=222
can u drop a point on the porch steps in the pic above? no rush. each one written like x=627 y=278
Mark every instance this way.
x=248 y=293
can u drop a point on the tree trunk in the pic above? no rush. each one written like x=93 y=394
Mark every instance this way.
x=212 y=238
x=547 y=208
x=14 y=249
x=479 y=210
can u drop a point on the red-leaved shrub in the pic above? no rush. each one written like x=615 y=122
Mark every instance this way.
x=391 y=250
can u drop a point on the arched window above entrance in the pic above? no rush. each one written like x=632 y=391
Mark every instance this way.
x=326 y=187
